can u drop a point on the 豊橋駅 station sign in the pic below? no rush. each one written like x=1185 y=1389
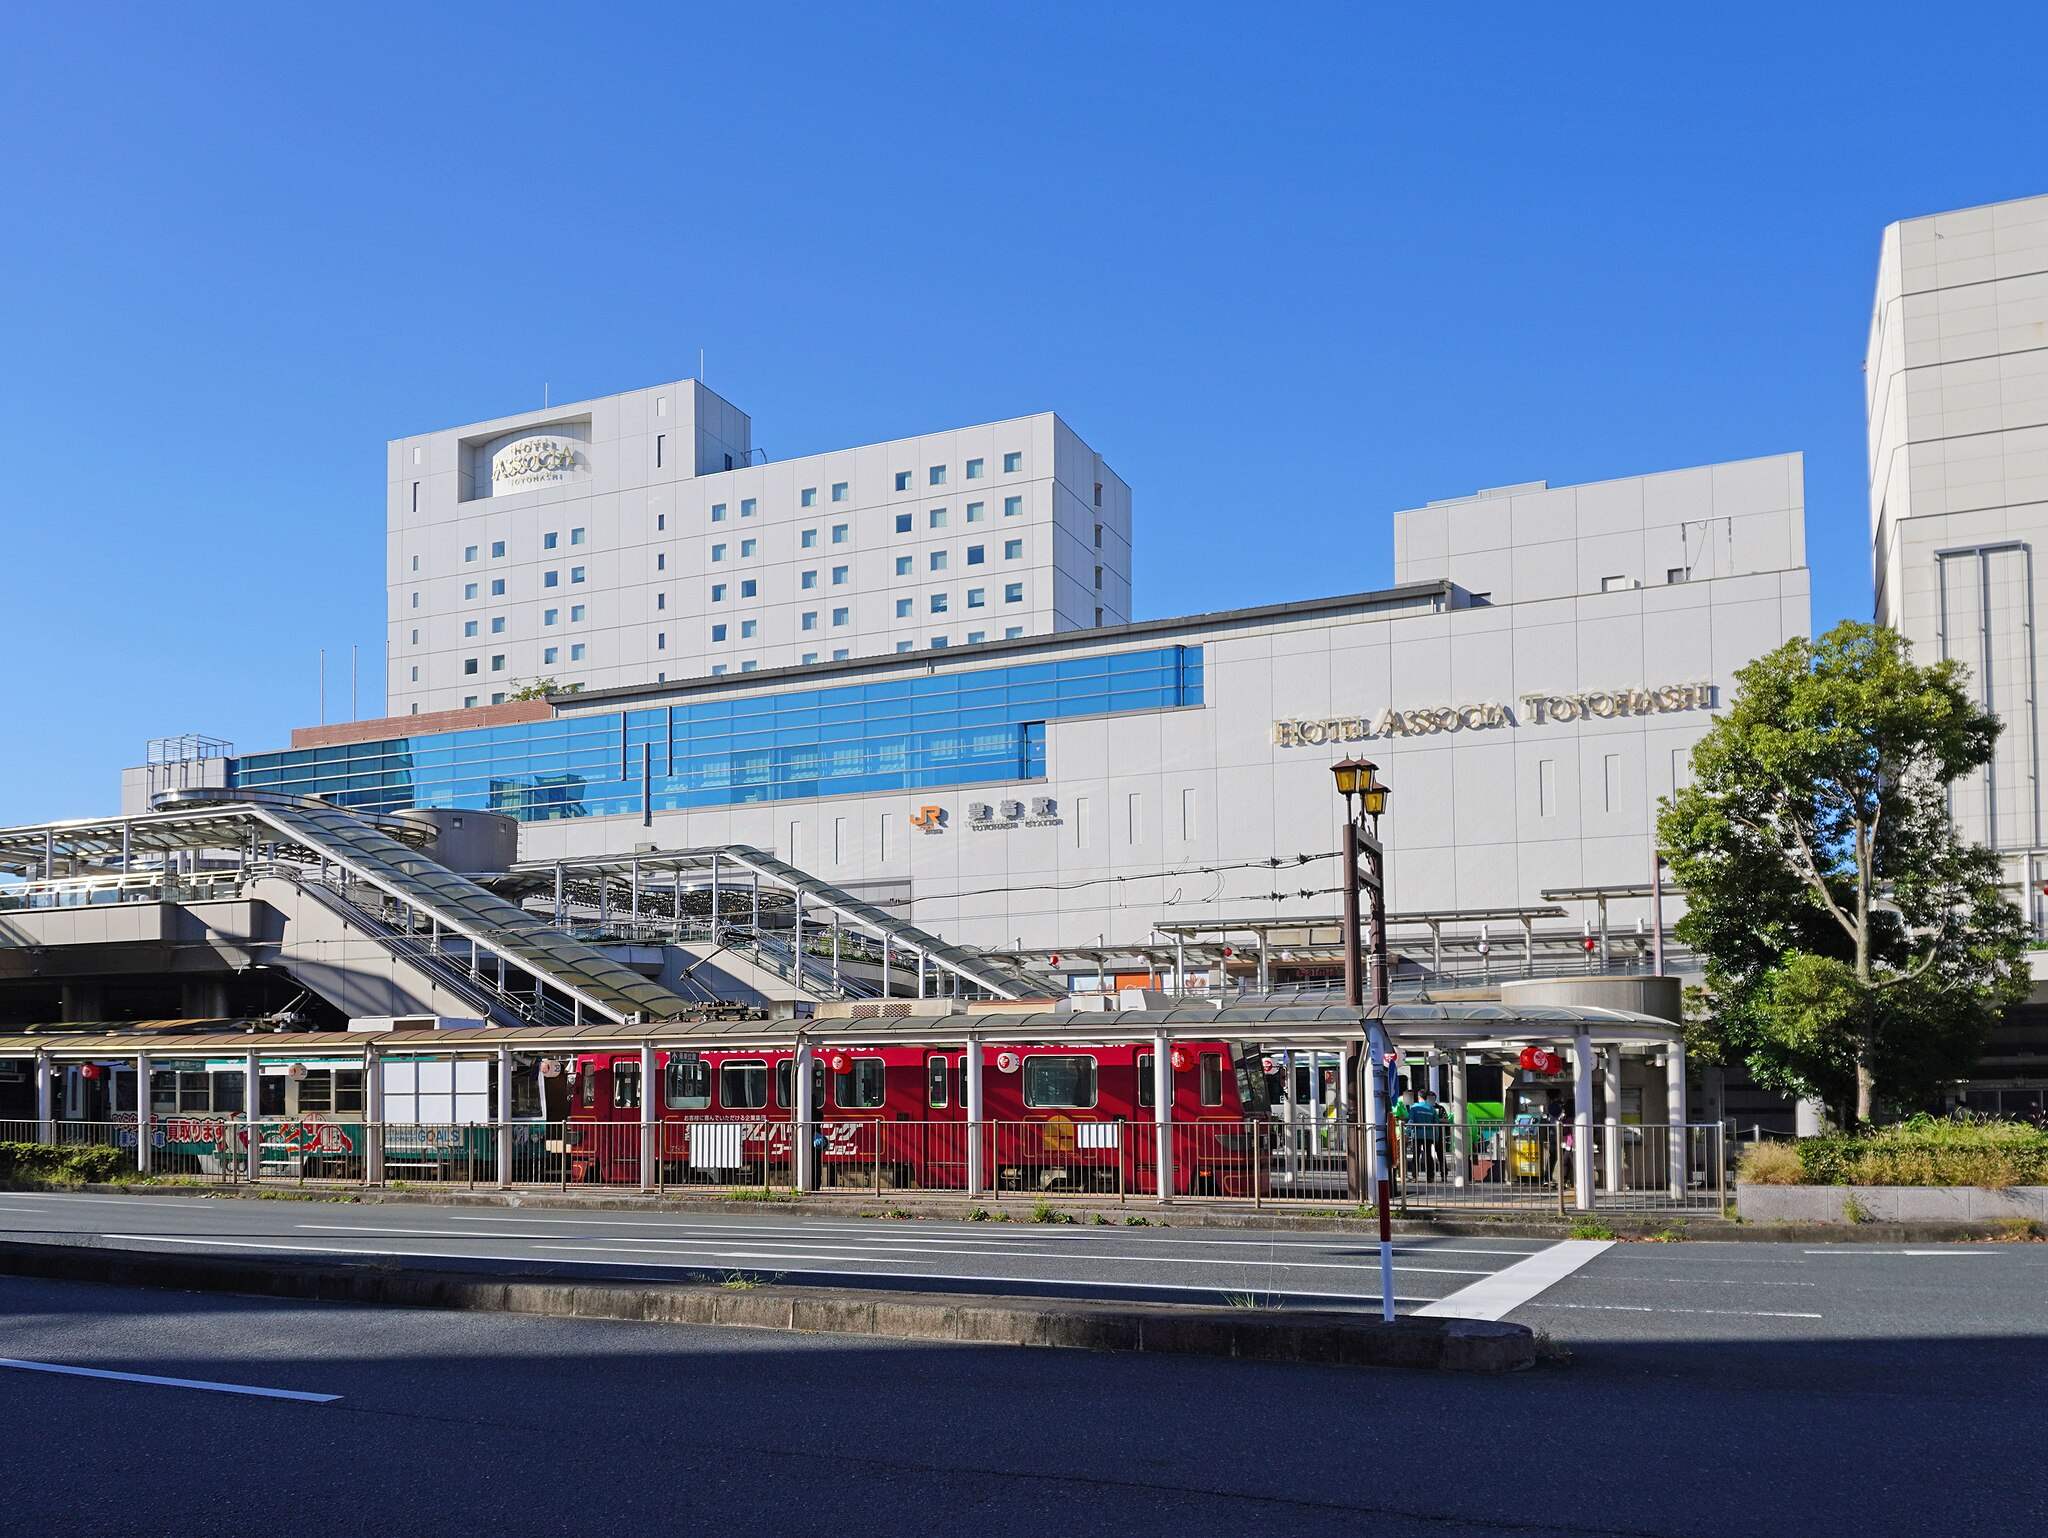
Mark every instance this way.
x=1485 y=715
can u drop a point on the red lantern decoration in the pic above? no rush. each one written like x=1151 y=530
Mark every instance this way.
x=89 y=1071
x=1182 y=1059
x=1537 y=1060
x=1589 y=945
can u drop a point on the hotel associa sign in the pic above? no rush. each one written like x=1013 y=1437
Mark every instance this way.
x=1485 y=715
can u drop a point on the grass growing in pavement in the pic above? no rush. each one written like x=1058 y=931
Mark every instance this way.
x=1044 y=1211
x=2020 y=1231
x=1550 y=1351
x=1592 y=1231
x=764 y=1194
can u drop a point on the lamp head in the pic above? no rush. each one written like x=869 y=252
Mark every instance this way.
x=1353 y=775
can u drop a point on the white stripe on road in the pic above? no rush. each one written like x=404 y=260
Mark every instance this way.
x=1636 y=1308
x=885 y=1249
x=143 y=1377
x=1860 y=1252
x=1508 y=1289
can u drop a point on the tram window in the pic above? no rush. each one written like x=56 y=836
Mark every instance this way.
x=348 y=1089
x=785 y=1075
x=270 y=1094
x=586 y=1086
x=227 y=1092
x=1061 y=1083
x=195 y=1092
x=528 y=1104
x=625 y=1085
x=122 y=1088
x=163 y=1092
x=1146 y=1083
x=937 y=1085
x=743 y=1085
x=1212 y=1078
x=860 y=1087
x=316 y=1090
x=688 y=1086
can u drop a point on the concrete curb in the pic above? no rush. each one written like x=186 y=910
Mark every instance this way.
x=1686 y=1227
x=1450 y=1345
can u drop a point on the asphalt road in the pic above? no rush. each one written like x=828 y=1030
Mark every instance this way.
x=1714 y=1389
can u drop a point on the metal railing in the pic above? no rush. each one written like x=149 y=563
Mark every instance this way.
x=1527 y=1165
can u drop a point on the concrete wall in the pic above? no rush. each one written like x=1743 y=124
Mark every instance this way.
x=1890 y=1204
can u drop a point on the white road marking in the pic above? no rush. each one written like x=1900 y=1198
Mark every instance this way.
x=887 y=1250
x=1635 y=1308
x=1497 y=1296
x=143 y=1377
x=1859 y=1252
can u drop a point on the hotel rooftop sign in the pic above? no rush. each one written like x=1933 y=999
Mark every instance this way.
x=1485 y=715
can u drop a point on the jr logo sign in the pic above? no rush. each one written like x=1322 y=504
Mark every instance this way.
x=932 y=819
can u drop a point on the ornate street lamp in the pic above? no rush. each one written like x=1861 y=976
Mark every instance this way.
x=1358 y=782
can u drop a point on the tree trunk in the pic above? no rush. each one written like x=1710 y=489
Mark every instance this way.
x=1865 y=1083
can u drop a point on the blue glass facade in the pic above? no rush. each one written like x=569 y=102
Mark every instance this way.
x=955 y=728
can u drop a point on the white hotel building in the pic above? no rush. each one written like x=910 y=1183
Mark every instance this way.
x=639 y=538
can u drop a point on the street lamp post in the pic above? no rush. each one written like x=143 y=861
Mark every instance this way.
x=1359 y=784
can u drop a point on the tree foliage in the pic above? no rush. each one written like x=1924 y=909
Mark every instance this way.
x=1856 y=947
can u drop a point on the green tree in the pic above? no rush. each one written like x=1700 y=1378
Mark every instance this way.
x=1856 y=948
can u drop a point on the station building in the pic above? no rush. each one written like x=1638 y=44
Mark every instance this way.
x=1530 y=685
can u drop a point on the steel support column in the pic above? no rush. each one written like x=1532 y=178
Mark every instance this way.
x=46 y=1100
x=1674 y=1111
x=143 y=1120
x=803 y=1162
x=970 y=1070
x=252 y=1089
x=1162 y=1114
x=1611 y=1107
x=504 y=1132
x=647 y=1092
x=1582 y=1122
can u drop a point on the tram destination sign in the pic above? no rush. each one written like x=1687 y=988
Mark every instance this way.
x=1490 y=715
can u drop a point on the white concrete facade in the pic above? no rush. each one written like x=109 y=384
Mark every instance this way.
x=1506 y=781
x=1957 y=384
x=642 y=539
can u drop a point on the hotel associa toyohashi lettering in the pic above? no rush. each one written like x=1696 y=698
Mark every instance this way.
x=1537 y=710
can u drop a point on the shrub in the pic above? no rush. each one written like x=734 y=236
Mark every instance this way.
x=1769 y=1164
x=37 y=1161
x=1930 y=1151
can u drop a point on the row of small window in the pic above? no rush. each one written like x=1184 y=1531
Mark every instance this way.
x=549 y=655
x=547 y=617
x=840 y=654
x=1013 y=507
x=549 y=541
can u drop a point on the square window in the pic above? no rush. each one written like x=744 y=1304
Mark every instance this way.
x=1013 y=549
x=840 y=655
x=749 y=587
x=497 y=549
x=840 y=533
x=810 y=619
x=498 y=699
x=497 y=624
x=549 y=616
x=469 y=590
x=841 y=616
x=976 y=637
x=976 y=597
x=809 y=658
x=498 y=663
x=718 y=592
x=938 y=475
x=938 y=560
x=1012 y=463
x=938 y=643
x=718 y=632
x=576 y=652
x=903 y=480
x=940 y=603
x=469 y=702
x=748 y=667
x=469 y=666
x=807 y=580
x=1013 y=632
x=717 y=668
x=1013 y=507
x=718 y=552
x=938 y=517
x=903 y=646
x=1013 y=592
x=550 y=579
x=575 y=536
x=840 y=574
x=575 y=613
x=903 y=523
x=497 y=587
x=974 y=469
x=468 y=628
x=903 y=606
x=976 y=512
x=718 y=512
x=747 y=628
x=808 y=497
x=469 y=552
x=976 y=554
x=550 y=654
x=575 y=573
x=840 y=491
x=808 y=540
x=903 y=565
x=549 y=541
x=746 y=507
x=748 y=547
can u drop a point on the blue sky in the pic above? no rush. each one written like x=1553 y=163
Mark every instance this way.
x=1290 y=268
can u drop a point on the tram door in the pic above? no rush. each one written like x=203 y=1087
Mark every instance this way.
x=941 y=1141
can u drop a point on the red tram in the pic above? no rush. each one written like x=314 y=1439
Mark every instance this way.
x=1054 y=1118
